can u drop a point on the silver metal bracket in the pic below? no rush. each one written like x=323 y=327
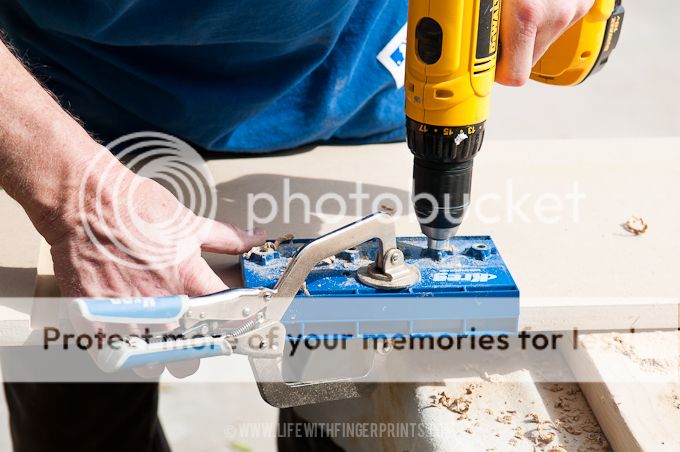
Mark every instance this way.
x=396 y=273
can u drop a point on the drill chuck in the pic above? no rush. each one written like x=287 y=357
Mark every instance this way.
x=441 y=195
x=442 y=175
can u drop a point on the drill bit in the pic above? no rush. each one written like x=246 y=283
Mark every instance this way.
x=437 y=245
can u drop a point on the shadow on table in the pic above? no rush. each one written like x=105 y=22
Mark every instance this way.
x=17 y=282
x=304 y=206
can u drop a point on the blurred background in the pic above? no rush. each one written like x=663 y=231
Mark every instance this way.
x=636 y=95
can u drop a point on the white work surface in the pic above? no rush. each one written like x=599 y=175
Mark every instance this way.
x=579 y=257
x=581 y=253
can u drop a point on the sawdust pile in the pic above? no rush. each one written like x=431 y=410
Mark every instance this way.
x=647 y=364
x=574 y=427
x=576 y=419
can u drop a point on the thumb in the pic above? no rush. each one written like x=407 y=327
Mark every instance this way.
x=219 y=237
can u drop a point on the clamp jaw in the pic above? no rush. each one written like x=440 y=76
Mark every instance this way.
x=248 y=321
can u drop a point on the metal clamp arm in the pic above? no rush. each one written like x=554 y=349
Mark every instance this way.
x=378 y=225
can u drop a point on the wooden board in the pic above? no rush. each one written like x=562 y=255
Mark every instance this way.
x=632 y=385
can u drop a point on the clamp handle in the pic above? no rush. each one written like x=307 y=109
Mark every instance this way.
x=150 y=310
x=136 y=352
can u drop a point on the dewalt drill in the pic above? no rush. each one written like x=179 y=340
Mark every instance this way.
x=451 y=51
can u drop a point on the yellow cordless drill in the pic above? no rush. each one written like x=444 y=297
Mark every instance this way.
x=451 y=51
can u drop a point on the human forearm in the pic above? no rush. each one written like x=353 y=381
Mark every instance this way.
x=43 y=150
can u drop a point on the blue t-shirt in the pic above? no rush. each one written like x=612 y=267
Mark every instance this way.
x=226 y=75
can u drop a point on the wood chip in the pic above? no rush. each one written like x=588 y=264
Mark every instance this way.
x=554 y=387
x=469 y=388
x=458 y=405
x=284 y=238
x=546 y=437
x=533 y=417
x=519 y=432
x=327 y=261
x=268 y=245
x=507 y=419
x=636 y=225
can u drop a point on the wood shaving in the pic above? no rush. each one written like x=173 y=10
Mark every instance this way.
x=327 y=261
x=507 y=419
x=636 y=225
x=519 y=432
x=569 y=426
x=554 y=387
x=268 y=245
x=576 y=420
x=458 y=405
x=546 y=437
x=533 y=417
x=469 y=388
x=284 y=238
